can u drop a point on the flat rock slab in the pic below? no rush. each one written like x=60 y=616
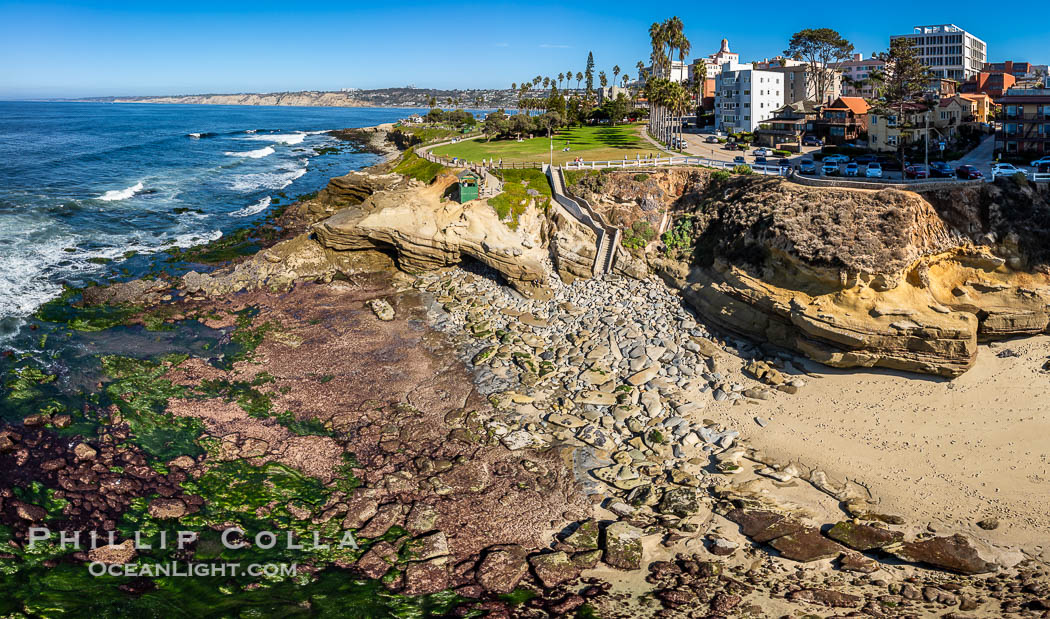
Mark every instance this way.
x=863 y=537
x=502 y=568
x=644 y=376
x=825 y=597
x=554 y=568
x=623 y=546
x=596 y=398
x=955 y=554
x=806 y=545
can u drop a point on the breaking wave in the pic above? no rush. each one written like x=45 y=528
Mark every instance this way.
x=121 y=194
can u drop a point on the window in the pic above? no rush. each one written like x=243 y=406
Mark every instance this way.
x=891 y=140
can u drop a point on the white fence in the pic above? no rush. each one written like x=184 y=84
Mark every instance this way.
x=653 y=162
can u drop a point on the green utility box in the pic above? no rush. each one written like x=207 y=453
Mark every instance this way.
x=468 y=186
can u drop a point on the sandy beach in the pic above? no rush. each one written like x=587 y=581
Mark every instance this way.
x=950 y=453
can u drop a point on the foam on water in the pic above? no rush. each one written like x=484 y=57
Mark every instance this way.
x=247 y=183
x=121 y=194
x=253 y=154
x=280 y=138
x=254 y=209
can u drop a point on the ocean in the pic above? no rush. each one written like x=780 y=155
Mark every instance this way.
x=91 y=191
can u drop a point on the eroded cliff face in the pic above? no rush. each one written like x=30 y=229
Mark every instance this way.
x=427 y=232
x=866 y=278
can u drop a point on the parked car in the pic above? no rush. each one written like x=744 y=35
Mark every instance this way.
x=1005 y=169
x=864 y=159
x=760 y=161
x=731 y=146
x=916 y=171
x=891 y=163
x=806 y=166
x=939 y=169
x=711 y=139
x=830 y=168
x=1040 y=161
x=812 y=140
x=836 y=159
x=763 y=152
x=784 y=163
x=852 y=169
x=968 y=172
x=874 y=170
x=739 y=159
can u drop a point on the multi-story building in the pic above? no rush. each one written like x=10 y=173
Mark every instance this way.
x=1025 y=126
x=1020 y=70
x=678 y=71
x=745 y=96
x=887 y=131
x=712 y=65
x=799 y=87
x=965 y=108
x=843 y=120
x=994 y=85
x=856 y=76
x=948 y=50
x=787 y=125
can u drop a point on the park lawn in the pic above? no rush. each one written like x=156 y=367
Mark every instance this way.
x=592 y=143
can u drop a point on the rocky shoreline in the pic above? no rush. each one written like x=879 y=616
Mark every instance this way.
x=520 y=444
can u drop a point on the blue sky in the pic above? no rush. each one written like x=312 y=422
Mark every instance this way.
x=109 y=48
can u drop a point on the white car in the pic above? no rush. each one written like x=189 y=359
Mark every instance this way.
x=763 y=152
x=1005 y=169
x=874 y=170
x=836 y=159
x=1040 y=161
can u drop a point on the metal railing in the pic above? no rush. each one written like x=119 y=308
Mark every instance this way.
x=654 y=162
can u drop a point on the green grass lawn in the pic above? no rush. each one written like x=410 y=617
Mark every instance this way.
x=510 y=204
x=593 y=143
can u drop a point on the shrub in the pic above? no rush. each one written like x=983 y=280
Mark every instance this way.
x=720 y=176
x=414 y=166
x=679 y=237
x=1020 y=179
x=638 y=235
x=781 y=153
x=743 y=168
x=641 y=178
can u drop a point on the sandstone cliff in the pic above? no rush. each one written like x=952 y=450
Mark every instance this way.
x=866 y=278
x=302 y=99
x=427 y=232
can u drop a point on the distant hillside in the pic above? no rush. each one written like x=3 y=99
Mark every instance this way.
x=385 y=97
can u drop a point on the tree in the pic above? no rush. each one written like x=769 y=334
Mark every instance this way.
x=546 y=82
x=519 y=124
x=641 y=68
x=901 y=81
x=604 y=81
x=432 y=102
x=589 y=72
x=616 y=73
x=561 y=76
x=579 y=78
x=824 y=50
x=496 y=124
x=626 y=80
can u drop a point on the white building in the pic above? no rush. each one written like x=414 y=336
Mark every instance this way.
x=745 y=96
x=679 y=71
x=948 y=50
x=713 y=63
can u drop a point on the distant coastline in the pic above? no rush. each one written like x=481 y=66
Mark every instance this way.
x=406 y=97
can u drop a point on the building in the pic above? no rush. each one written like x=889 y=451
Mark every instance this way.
x=712 y=65
x=678 y=72
x=887 y=132
x=745 y=96
x=787 y=126
x=948 y=50
x=1025 y=126
x=797 y=86
x=843 y=120
x=777 y=61
x=994 y=85
x=965 y=108
x=1020 y=70
x=856 y=76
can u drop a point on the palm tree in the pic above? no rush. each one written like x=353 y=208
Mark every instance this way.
x=579 y=78
x=626 y=80
x=561 y=76
x=616 y=73
x=546 y=82
x=432 y=101
x=602 y=79
x=536 y=80
x=641 y=67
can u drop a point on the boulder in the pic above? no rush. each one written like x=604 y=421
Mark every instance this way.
x=502 y=568
x=955 y=554
x=622 y=547
x=863 y=537
x=554 y=568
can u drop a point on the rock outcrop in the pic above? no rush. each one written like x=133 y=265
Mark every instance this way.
x=856 y=278
x=427 y=232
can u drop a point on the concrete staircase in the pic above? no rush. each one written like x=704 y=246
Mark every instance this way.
x=579 y=209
